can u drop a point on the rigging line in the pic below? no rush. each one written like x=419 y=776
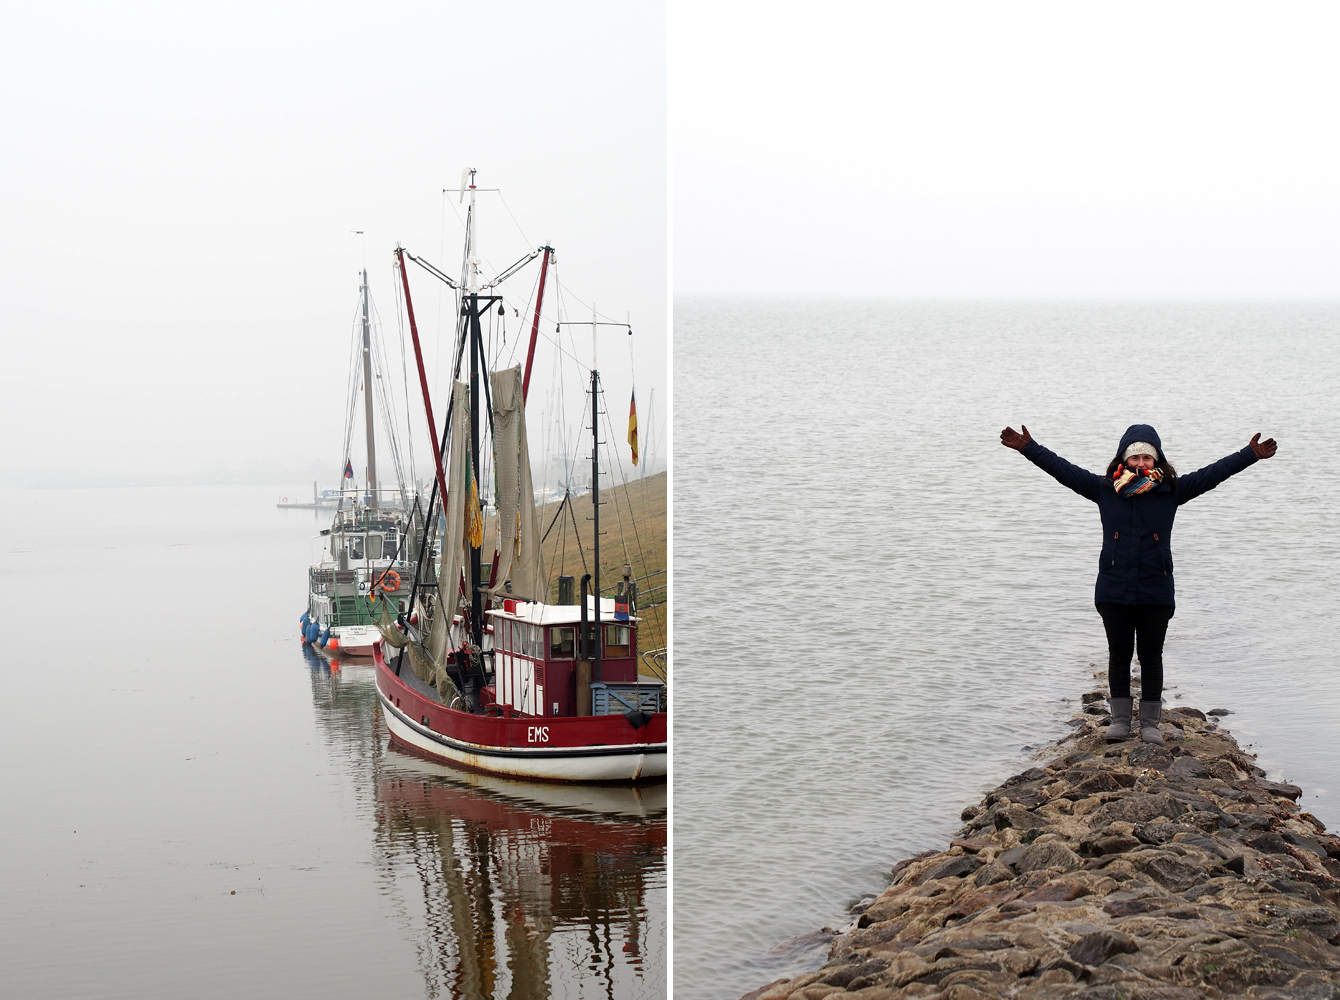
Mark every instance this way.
x=465 y=224
x=387 y=414
x=577 y=535
x=514 y=222
x=556 y=517
x=404 y=374
x=529 y=300
x=384 y=395
x=587 y=306
x=612 y=450
x=437 y=335
x=637 y=537
x=351 y=399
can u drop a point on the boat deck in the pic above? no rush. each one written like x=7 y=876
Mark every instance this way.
x=413 y=680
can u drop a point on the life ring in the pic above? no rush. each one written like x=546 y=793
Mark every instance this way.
x=388 y=582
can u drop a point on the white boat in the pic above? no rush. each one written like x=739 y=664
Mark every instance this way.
x=369 y=550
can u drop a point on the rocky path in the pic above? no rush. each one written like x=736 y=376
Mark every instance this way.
x=1111 y=871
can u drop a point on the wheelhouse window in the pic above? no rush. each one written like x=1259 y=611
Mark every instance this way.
x=356 y=547
x=617 y=638
x=374 y=546
x=562 y=643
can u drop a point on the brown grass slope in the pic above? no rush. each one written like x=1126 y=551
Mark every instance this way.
x=632 y=530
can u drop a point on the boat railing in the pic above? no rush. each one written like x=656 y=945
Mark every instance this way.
x=657 y=663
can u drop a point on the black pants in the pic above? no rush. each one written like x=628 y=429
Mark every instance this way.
x=1132 y=627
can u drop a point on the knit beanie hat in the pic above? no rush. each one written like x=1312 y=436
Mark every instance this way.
x=1140 y=448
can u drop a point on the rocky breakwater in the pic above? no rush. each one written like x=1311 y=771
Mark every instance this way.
x=1122 y=870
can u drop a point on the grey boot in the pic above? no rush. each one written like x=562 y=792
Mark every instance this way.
x=1150 y=712
x=1121 y=719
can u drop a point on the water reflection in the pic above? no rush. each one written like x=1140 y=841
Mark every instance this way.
x=506 y=889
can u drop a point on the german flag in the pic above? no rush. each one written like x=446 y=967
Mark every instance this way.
x=632 y=425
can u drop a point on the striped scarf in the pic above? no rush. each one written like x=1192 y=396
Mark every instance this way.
x=1129 y=483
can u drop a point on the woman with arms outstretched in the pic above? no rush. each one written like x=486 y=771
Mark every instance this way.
x=1137 y=501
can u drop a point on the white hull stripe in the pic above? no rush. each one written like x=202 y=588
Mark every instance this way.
x=484 y=750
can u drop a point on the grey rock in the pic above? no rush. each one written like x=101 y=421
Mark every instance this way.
x=1176 y=875
x=1188 y=767
x=1306 y=843
x=1268 y=843
x=1101 y=946
x=1218 y=711
x=1150 y=755
x=1049 y=855
x=1137 y=808
x=991 y=874
x=1281 y=788
x=953 y=868
x=1161 y=833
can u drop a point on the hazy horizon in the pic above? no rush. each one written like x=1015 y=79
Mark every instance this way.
x=179 y=258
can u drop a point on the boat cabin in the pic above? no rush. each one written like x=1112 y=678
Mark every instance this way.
x=539 y=664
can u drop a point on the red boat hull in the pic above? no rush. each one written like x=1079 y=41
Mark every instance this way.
x=600 y=748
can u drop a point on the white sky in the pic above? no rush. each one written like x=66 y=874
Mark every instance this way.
x=179 y=183
x=989 y=149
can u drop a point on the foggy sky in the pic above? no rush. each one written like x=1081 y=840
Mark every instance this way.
x=982 y=149
x=180 y=184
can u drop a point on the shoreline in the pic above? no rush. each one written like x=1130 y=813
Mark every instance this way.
x=1111 y=870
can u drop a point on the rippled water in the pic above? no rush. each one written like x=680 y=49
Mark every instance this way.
x=879 y=610
x=194 y=806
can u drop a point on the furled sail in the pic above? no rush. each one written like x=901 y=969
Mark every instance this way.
x=438 y=639
x=518 y=540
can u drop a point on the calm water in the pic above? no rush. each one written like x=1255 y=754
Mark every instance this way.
x=194 y=806
x=879 y=610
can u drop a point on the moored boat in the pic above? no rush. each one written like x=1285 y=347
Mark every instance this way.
x=368 y=550
x=481 y=672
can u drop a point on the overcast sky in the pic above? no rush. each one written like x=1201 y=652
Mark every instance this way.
x=180 y=182
x=1022 y=150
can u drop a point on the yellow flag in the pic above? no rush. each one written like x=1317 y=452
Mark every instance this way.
x=632 y=425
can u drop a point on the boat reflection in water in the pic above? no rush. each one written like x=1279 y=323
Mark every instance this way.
x=507 y=888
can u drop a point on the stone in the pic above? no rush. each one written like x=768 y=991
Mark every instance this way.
x=1172 y=873
x=1305 y=843
x=1281 y=788
x=953 y=868
x=1048 y=855
x=992 y=874
x=1218 y=711
x=1101 y=946
x=1268 y=843
x=1188 y=767
x=1151 y=755
x=846 y=974
x=1174 y=898
x=1138 y=808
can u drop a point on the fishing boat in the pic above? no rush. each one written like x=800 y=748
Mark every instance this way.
x=368 y=551
x=482 y=673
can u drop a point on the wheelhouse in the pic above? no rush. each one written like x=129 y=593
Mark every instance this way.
x=543 y=665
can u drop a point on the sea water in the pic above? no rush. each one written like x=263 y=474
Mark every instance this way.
x=880 y=612
x=195 y=805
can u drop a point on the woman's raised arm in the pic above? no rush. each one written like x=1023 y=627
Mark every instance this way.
x=1193 y=484
x=1083 y=482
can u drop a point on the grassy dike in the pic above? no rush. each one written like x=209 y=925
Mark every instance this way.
x=632 y=530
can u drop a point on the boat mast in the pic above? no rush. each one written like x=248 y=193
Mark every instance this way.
x=476 y=349
x=367 y=395
x=595 y=498
x=535 y=323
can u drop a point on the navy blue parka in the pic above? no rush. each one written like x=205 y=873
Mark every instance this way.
x=1136 y=564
